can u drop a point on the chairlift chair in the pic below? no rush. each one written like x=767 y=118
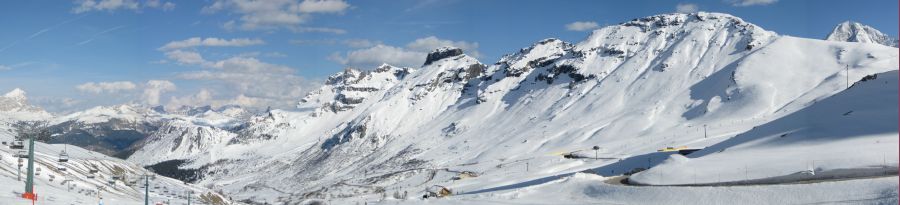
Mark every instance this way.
x=63 y=156
x=18 y=144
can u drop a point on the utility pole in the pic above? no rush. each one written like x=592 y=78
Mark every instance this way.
x=189 y=197
x=19 y=172
x=704 y=131
x=848 y=76
x=146 y=189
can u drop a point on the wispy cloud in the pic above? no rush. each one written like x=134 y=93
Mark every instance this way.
x=212 y=42
x=411 y=55
x=82 y=6
x=27 y=64
x=686 y=8
x=106 y=87
x=582 y=26
x=42 y=31
x=273 y=15
x=95 y=36
x=750 y=2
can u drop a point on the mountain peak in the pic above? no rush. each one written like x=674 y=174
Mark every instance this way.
x=17 y=94
x=441 y=53
x=850 y=31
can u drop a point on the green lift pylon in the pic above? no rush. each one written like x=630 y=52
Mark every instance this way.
x=29 y=179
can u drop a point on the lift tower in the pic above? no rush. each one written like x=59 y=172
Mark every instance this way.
x=29 y=178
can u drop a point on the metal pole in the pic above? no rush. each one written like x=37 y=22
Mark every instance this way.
x=146 y=189
x=704 y=131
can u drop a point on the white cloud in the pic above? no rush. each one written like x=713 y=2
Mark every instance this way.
x=168 y=6
x=244 y=80
x=218 y=42
x=412 y=55
x=276 y=14
x=582 y=26
x=751 y=2
x=154 y=88
x=165 y=6
x=376 y=55
x=186 y=57
x=430 y=43
x=686 y=8
x=106 y=87
x=3 y=67
x=318 y=30
x=323 y=6
x=82 y=6
x=207 y=97
x=57 y=104
x=203 y=97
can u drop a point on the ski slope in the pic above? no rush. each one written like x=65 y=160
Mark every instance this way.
x=74 y=186
x=850 y=134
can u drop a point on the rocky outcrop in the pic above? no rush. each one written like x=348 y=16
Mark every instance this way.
x=442 y=53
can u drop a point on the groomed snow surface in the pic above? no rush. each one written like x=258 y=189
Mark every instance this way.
x=584 y=188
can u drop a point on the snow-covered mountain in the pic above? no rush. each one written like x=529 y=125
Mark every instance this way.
x=111 y=130
x=14 y=107
x=849 y=31
x=120 y=129
x=666 y=80
x=344 y=90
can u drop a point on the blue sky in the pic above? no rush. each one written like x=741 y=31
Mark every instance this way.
x=75 y=54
